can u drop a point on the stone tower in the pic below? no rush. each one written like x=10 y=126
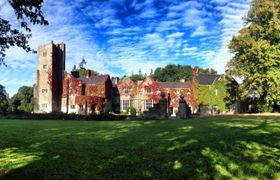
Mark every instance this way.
x=48 y=88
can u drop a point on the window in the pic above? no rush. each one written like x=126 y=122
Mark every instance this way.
x=72 y=106
x=131 y=103
x=44 y=90
x=125 y=104
x=44 y=54
x=44 y=106
x=81 y=108
x=126 y=90
x=149 y=104
x=216 y=92
x=45 y=66
x=148 y=91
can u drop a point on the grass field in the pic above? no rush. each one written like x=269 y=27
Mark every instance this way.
x=200 y=148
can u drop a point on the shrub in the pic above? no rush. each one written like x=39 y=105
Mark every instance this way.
x=132 y=111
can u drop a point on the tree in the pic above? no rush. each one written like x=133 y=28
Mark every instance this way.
x=26 y=11
x=256 y=52
x=175 y=73
x=207 y=71
x=23 y=100
x=231 y=91
x=3 y=100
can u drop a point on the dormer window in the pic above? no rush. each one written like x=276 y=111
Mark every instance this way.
x=148 y=91
x=126 y=90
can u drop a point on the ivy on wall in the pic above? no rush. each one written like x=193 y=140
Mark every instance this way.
x=156 y=89
x=90 y=101
x=127 y=83
x=50 y=78
x=212 y=94
x=71 y=85
x=95 y=90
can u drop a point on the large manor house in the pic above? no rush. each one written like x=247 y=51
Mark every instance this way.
x=57 y=90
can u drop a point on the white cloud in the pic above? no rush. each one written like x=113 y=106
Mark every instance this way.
x=109 y=40
x=231 y=23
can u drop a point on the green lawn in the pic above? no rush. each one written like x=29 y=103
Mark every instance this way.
x=200 y=148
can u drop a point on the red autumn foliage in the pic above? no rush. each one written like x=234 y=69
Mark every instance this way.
x=71 y=85
x=127 y=83
x=97 y=102
x=156 y=89
x=192 y=100
x=95 y=90
x=174 y=97
x=50 y=78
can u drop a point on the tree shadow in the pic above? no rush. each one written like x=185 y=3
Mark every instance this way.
x=197 y=149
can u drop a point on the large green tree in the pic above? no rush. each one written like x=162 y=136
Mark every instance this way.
x=256 y=52
x=174 y=73
x=27 y=11
x=22 y=100
x=3 y=100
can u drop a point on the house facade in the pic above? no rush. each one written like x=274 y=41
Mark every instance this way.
x=59 y=91
x=144 y=94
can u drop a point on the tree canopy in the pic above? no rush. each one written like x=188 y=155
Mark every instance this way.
x=26 y=11
x=22 y=100
x=174 y=73
x=3 y=100
x=256 y=52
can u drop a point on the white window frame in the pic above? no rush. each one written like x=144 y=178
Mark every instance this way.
x=149 y=104
x=126 y=90
x=44 y=106
x=148 y=91
x=125 y=104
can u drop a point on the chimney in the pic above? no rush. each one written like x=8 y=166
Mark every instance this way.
x=75 y=73
x=115 y=80
x=88 y=73
x=195 y=71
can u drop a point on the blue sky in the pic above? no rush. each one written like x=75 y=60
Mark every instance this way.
x=119 y=37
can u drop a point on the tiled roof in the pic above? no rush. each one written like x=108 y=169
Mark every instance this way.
x=100 y=79
x=207 y=79
x=175 y=84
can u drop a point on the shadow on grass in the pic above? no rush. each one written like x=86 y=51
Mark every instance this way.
x=198 y=149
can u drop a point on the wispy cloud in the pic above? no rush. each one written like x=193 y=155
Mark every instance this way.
x=119 y=37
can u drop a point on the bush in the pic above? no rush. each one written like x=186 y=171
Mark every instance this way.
x=132 y=111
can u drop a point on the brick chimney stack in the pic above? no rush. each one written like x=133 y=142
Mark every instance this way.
x=195 y=71
x=88 y=73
